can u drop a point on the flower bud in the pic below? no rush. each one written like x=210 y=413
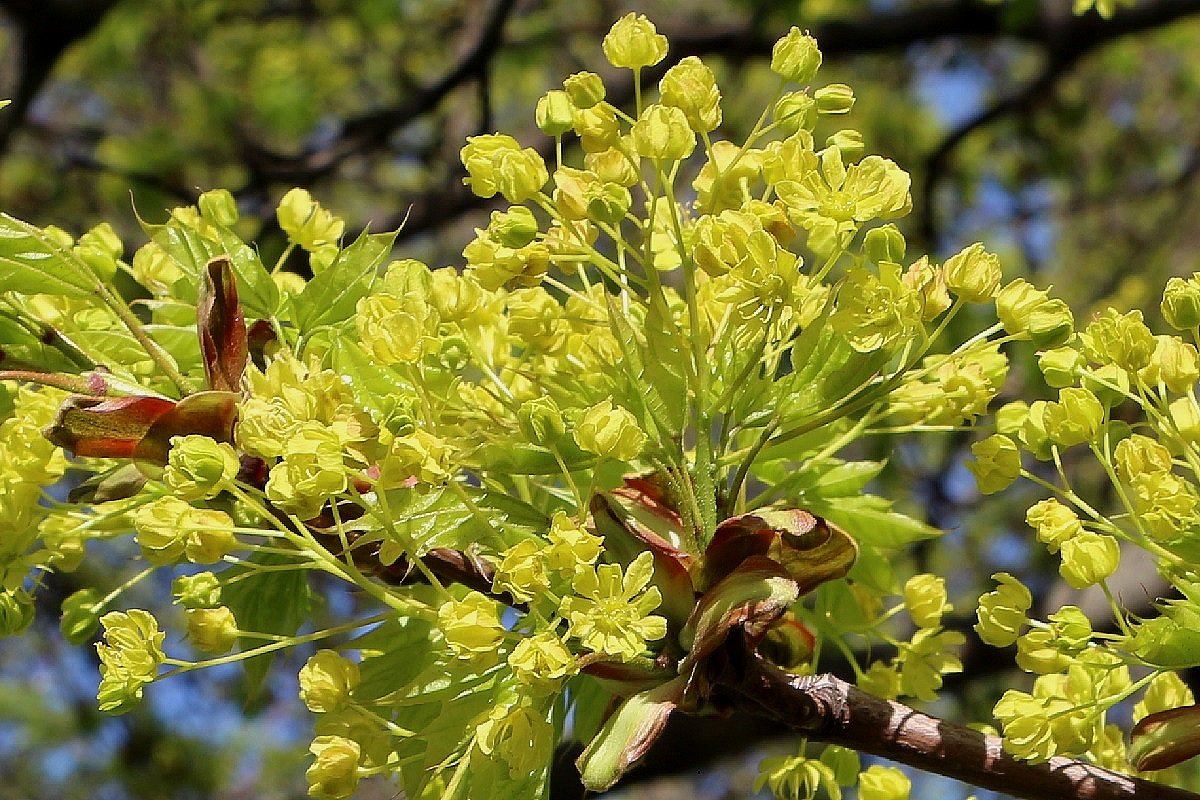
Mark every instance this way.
x=541 y=660
x=522 y=571
x=1016 y=302
x=471 y=626
x=849 y=141
x=334 y=774
x=1061 y=366
x=836 y=98
x=1071 y=627
x=883 y=783
x=199 y=467
x=795 y=111
x=1181 y=303
x=597 y=127
x=610 y=432
x=1088 y=559
x=212 y=630
x=81 y=616
x=884 y=243
x=202 y=590
x=662 y=134
x=691 y=87
x=541 y=421
x=515 y=227
x=479 y=155
x=796 y=57
x=219 y=207
x=326 y=681
x=1074 y=419
x=1051 y=324
x=585 y=89
x=633 y=42
x=1109 y=383
x=973 y=274
x=158 y=530
x=16 y=612
x=611 y=166
x=1054 y=523
x=1185 y=416
x=520 y=174
x=1033 y=431
x=306 y=223
x=1002 y=611
x=554 y=114
x=925 y=598
x=208 y=535
x=997 y=463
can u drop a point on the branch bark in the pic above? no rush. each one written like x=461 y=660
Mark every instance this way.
x=828 y=709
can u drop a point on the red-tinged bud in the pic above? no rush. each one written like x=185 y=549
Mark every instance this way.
x=1165 y=738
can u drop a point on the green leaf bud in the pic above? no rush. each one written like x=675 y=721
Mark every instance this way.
x=199 y=467
x=796 y=57
x=691 y=87
x=1051 y=324
x=662 y=134
x=610 y=432
x=212 y=630
x=334 y=773
x=1181 y=303
x=202 y=590
x=997 y=463
x=541 y=421
x=554 y=114
x=795 y=111
x=1061 y=366
x=16 y=612
x=1074 y=419
x=973 y=274
x=515 y=227
x=81 y=616
x=1002 y=611
x=633 y=42
x=836 y=98
x=585 y=89
x=219 y=207
x=326 y=681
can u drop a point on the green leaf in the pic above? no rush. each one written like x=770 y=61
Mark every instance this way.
x=276 y=602
x=664 y=365
x=375 y=387
x=394 y=654
x=870 y=520
x=180 y=342
x=189 y=249
x=827 y=478
x=20 y=349
x=32 y=263
x=330 y=297
x=7 y=407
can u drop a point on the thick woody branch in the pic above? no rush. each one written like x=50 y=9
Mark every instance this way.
x=828 y=709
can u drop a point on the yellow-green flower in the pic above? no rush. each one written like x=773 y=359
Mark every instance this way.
x=522 y=571
x=883 y=783
x=326 y=681
x=1075 y=418
x=691 y=86
x=1088 y=558
x=973 y=274
x=541 y=661
x=997 y=463
x=876 y=313
x=129 y=658
x=517 y=735
x=198 y=467
x=334 y=773
x=307 y=224
x=611 y=613
x=662 y=133
x=212 y=630
x=1181 y=303
x=471 y=626
x=554 y=114
x=585 y=89
x=610 y=431
x=1054 y=523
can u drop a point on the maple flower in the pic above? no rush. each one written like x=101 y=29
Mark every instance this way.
x=611 y=614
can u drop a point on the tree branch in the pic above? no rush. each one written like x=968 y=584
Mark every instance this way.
x=828 y=709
